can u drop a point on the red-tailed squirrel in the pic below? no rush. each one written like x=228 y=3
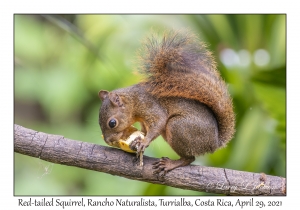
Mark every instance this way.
x=184 y=99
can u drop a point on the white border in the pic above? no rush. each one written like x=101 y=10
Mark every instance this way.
x=8 y=8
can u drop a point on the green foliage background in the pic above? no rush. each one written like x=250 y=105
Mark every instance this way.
x=62 y=61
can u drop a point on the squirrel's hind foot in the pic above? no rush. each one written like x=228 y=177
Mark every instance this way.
x=164 y=165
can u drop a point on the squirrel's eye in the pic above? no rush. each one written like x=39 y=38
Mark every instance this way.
x=112 y=123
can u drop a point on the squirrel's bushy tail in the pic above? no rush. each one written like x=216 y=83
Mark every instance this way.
x=179 y=65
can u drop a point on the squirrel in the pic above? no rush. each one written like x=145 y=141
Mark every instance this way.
x=183 y=99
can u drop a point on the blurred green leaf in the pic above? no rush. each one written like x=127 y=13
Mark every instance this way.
x=252 y=142
x=276 y=77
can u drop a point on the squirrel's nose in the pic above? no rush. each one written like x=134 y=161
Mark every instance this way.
x=113 y=139
x=107 y=140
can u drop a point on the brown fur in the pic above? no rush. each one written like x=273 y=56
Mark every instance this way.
x=184 y=99
x=180 y=56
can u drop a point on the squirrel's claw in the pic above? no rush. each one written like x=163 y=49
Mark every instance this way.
x=140 y=152
x=141 y=146
x=161 y=167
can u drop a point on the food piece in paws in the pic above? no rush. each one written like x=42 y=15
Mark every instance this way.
x=132 y=142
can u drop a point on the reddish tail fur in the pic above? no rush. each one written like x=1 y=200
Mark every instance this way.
x=181 y=66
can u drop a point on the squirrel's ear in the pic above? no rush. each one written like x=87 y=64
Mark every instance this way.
x=103 y=94
x=115 y=99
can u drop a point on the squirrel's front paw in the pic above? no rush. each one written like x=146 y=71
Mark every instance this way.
x=141 y=146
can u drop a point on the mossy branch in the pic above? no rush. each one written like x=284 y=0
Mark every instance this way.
x=57 y=149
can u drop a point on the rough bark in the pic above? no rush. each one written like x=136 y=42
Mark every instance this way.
x=57 y=149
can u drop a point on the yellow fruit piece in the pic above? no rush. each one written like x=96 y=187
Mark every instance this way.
x=125 y=144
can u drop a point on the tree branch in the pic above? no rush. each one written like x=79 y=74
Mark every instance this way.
x=57 y=149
